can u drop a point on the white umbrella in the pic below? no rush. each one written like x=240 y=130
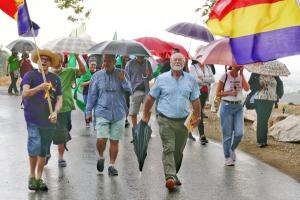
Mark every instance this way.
x=272 y=68
x=77 y=45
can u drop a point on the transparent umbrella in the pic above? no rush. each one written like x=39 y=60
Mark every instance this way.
x=77 y=45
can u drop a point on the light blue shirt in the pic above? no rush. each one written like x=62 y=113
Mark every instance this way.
x=106 y=95
x=175 y=95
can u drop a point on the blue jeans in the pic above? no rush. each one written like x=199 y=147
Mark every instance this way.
x=232 y=125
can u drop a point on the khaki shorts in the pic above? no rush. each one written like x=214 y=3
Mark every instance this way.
x=136 y=99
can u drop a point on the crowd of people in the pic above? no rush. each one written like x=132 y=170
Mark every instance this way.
x=113 y=90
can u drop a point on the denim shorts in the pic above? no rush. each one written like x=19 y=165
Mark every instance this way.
x=39 y=140
x=110 y=130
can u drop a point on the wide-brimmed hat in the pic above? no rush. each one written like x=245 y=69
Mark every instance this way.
x=55 y=59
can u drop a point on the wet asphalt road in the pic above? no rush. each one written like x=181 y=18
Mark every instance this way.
x=203 y=173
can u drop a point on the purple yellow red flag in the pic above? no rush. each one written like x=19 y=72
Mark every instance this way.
x=17 y=9
x=259 y=30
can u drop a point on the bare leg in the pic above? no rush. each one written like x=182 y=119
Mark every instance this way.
x=101 y=145
x=61 y=151
x=113 y=150
x=134 y=120
x=40 y=166
x=32 y=162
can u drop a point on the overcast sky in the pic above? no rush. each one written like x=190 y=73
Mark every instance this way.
x=130 y=18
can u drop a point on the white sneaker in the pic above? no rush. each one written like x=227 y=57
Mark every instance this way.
x=233 y=156
x=229 y=162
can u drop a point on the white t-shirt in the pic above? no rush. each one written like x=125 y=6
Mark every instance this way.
x=231 y=84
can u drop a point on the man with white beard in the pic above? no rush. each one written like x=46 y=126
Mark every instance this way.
x=175 y=90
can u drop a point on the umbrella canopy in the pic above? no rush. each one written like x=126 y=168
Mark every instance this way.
x=141 y=134
x=155 y=45
x=70 y=45
x=181 y=49
x=216 y=52
x=272 y=68
x=120 y=47
x=190 y=30
x=21 y=46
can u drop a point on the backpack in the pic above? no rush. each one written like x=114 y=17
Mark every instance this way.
x=254 y=86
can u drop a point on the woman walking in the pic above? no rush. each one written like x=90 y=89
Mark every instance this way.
x=204 y=77
x=230 y=89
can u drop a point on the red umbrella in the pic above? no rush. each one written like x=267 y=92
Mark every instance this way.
x=155 y=45
x=181 y=49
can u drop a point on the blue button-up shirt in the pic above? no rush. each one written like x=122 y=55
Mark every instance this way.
x=175 y=95
x=106 y=95
x=137 y=74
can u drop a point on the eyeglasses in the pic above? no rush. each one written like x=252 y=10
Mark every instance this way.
x=45 y=59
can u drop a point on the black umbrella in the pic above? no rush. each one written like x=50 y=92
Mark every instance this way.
x=120 y=47
x=21 y=45
x=141 y=134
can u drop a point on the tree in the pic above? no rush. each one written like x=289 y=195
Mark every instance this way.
x=80 y=13
x=205 y=9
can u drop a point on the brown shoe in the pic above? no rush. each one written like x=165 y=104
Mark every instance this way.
x=170 y=184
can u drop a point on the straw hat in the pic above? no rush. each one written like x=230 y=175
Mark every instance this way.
x=55 y=59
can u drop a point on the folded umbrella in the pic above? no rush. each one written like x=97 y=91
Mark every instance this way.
x=141 y=134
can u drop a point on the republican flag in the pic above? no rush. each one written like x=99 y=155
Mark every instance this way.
x=17 y=9
x=259 y=30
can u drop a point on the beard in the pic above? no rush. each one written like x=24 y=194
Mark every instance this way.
x=177 y=67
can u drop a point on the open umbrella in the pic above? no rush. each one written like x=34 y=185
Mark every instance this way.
x=216 y=52
x=181 y=49
x=141 y=134
x=21 y=46
x=77 y=45
x=191 y=30
x=272 y=68
x=155 y=45
x=120 y=47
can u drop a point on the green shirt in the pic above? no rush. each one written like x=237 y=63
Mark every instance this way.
x=14 y=63
x=67 y=77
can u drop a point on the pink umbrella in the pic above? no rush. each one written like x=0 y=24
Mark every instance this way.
x=216 y=52
x=181 y=48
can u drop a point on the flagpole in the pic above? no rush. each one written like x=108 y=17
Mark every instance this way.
x=41 y=69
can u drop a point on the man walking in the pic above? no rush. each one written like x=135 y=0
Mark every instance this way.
x=13 y=70
x=175 y=90
x=106 y=97
x=40 y=122
x=140 y=73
